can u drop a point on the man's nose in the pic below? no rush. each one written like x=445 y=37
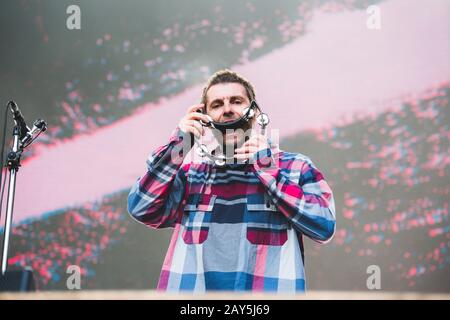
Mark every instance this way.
x=227 y=108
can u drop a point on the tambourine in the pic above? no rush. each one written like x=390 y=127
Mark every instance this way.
x=249 y=113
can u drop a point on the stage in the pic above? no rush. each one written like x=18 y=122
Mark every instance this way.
x=155 y=295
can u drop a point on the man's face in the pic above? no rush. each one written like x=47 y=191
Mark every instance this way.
x=226 y=102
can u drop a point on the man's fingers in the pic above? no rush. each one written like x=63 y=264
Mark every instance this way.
x=199 y=116
x=256 y=141
x=252 y=143
x=242 y=156
x=194 y=115
x=190 y=122
x=248 y=149
x=197 y=133
x=195 y=107
x=197 y=125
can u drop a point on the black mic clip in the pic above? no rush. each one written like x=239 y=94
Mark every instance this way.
x=38 y=126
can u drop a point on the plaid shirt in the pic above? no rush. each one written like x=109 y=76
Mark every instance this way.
x=237 y=227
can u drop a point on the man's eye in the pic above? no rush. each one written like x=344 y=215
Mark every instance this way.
x=238 y=101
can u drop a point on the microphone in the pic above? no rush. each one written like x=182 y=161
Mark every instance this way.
x=18 y=119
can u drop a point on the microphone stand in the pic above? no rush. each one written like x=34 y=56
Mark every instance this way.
x=17 y=280
x=13 y=165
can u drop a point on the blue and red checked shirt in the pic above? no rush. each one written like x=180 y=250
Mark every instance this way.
x=237 y=227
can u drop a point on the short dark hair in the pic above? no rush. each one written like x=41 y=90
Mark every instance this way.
x=228 y=76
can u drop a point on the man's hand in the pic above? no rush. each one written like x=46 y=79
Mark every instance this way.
x=190 y=122
x=257 y=142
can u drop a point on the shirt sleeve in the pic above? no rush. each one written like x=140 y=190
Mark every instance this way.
x=300 y=192
x=156 y=196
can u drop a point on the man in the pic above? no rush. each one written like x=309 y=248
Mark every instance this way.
x=238 y=226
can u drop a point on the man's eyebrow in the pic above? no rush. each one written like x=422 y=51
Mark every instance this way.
x=216 y=100
x=231 y=98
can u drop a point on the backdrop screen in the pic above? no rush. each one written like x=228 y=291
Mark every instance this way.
x=361 y=87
